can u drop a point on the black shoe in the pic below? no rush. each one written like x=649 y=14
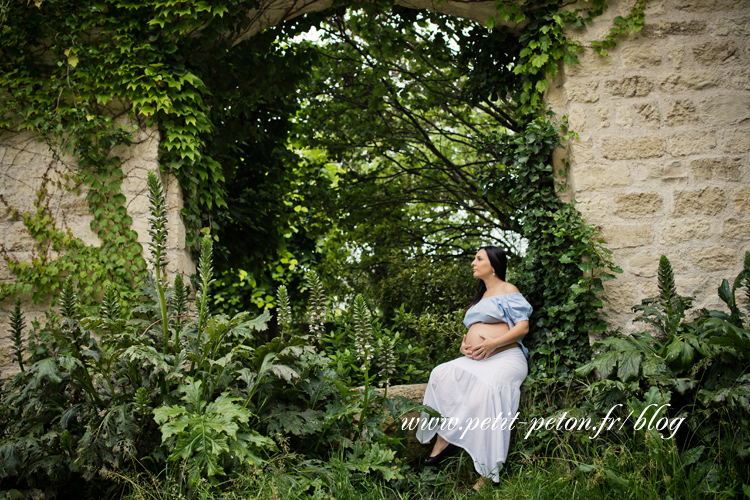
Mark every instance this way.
x=449 y=450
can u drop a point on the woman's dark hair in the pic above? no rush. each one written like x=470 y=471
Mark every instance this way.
x=499 y=262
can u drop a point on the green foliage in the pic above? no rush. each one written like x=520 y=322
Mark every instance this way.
x=203 y=433
x=121 y=57
x=700 y=367
x=364 y=458
x=82 y=404
x=354 y=357
x=221 y=399
x=387 y=106
x=544 y=45
x=622 y=25
x=423 y=285
x=427 y=113
x=17 y=326
x=438 y=336
x=58 y=252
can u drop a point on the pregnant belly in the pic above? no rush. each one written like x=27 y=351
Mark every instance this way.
x=478 y=330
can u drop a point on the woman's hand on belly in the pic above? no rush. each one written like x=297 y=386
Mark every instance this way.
x=466 y=348
x=481 y=339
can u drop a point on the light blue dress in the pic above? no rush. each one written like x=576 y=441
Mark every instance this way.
x=479 y=398
x=509 y=308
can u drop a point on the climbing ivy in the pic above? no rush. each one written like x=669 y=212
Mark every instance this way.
x=67 y=72
x=622 y=25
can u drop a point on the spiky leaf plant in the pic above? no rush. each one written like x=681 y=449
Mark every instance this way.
x=158 y=234
x=317 y=309
x=17 y=326
x=157 y=223
x=666 y=311
x=642 y=354
x=68 y=301
x=385 y=348
x=701 y=367
x=110 y=308
x=205 y=275
x=110 y=323
x=285 y=310
x=363 y=334
x=179 y=303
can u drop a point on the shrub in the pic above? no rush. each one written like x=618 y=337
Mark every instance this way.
x=125 y=391
x=700 y=368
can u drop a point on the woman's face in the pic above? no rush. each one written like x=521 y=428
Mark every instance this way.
x=481 y=265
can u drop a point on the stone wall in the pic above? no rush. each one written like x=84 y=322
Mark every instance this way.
x=662 y=164
x=24 y=162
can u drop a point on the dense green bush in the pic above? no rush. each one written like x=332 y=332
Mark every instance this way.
x=422 y=286
x=126 y=392
x=393 y=358
x=700 y=368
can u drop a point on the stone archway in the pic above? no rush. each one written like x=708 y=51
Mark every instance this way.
x=661 y=166
x=662 y=163
x=273 y=12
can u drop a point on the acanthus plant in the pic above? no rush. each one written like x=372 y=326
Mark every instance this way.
x=90 y=387
x=20 y=342
x=167 y=381
x=700 y=367
x=317 y=308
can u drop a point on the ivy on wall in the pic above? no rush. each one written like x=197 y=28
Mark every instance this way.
x=66 y=69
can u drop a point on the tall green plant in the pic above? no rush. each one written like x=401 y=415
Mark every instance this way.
x=17 y=326
x=666 y=311
x=205 y=274
x=158 y=243
x=201 y=433
x=674 y=348
x=317 y=304
x=84 y=401
x=284 y=315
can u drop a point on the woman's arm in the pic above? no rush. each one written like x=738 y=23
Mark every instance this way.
x=491 y=342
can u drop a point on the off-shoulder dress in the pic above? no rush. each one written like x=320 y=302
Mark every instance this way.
x=480 y=397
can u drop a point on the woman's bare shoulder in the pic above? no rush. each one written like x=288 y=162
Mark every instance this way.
x=509 y=288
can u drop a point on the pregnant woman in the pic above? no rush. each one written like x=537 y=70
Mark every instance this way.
x=478 y=394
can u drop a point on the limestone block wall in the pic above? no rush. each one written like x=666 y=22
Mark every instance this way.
x=662 y=164
x=24 y=163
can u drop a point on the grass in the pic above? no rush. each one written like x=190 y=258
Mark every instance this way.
x=637 y=469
